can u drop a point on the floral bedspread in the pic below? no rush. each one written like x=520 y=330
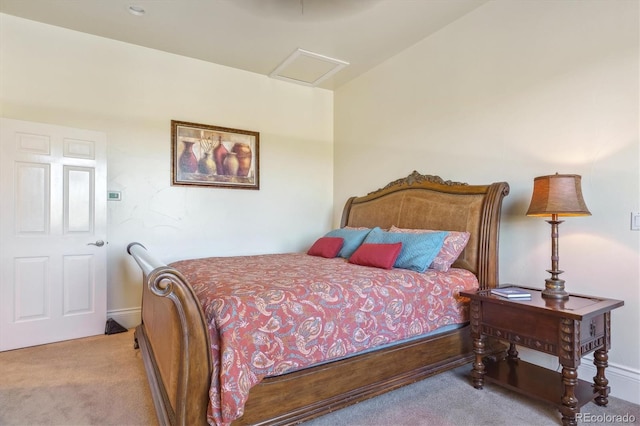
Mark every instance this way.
x=271 y=314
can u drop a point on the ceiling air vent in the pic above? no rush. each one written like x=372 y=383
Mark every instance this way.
x=307 y=68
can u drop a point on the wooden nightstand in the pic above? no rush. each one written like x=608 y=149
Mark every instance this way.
x=568 y=329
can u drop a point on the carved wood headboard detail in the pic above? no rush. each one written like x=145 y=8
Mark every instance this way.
x=429 y=202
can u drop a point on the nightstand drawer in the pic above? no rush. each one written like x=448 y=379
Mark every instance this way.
x=592 y=328
x=516 y=321
x=592 y=334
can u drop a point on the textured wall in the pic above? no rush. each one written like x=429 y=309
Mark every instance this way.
x=511 y=91
x=131 y=93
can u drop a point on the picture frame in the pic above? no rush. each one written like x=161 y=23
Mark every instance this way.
x=207 y=155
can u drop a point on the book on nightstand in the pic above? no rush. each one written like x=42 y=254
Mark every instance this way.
x=512 y=293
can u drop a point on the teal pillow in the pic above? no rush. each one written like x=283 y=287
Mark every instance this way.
x=418 y=250
x=352 y=239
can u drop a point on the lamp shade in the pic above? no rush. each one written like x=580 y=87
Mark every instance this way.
x=557 y=194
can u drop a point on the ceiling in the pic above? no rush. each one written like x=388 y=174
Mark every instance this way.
x=258 y=35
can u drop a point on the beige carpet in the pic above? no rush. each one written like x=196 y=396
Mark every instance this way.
x=92 y=381
x=101 y=381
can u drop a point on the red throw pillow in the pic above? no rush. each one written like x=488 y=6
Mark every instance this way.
x=376 y=255
x=326 y=247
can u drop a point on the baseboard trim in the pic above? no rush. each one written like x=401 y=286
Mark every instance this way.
x=623 y=381
x=128 y=318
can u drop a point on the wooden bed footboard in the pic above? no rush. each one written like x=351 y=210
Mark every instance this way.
x=174 y=337
x=174 y=341
x=303 y=395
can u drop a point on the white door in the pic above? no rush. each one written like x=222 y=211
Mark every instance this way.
x=52 y=233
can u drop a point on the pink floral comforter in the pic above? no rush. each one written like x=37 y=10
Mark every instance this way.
x=271 y=314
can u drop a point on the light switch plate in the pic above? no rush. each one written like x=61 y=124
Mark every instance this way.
x=635 y=221
x=114 y=195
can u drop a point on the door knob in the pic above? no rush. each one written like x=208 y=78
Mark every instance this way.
x=98 y=243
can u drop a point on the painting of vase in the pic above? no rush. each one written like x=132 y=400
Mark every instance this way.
x=188 y=161
x=206 y=165
x=219 y=154
x=231 y=164
x=206 y=155
x=243 y=152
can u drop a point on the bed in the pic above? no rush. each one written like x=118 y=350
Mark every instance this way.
x=175 y=336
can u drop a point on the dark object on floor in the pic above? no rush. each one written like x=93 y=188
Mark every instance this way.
x=113 y=327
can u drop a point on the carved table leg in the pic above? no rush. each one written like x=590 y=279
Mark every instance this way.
x=569 y=401
x=600 y=382
x=477 y=374
x=512 y=353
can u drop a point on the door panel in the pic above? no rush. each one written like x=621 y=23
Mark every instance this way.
x=32 y=207
x=78 y=193
x=78 y=284
x=31 y=288
x=52 y=282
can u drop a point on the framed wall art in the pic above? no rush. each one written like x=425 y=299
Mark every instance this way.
x=205 y=155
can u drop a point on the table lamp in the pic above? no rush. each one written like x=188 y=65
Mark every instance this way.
x=555 y=196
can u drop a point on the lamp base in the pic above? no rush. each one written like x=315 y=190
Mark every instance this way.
x=554 y=289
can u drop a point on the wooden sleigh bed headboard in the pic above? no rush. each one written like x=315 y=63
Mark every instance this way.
x=429 y=202
x=174 y=339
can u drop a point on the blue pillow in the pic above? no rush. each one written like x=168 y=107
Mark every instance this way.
x=418 y=250
x=352 y=239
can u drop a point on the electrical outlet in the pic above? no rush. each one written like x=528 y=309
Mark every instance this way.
x=635 y=221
